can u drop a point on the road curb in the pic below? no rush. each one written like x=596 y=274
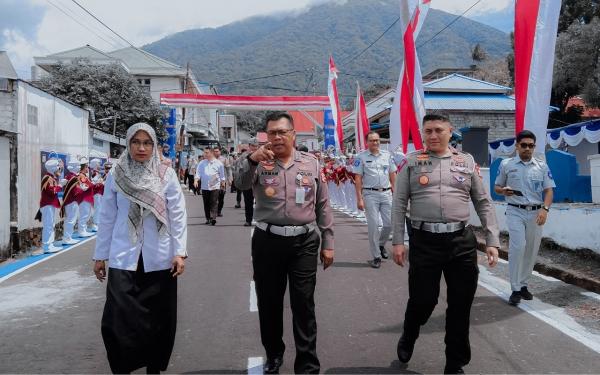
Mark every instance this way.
x=561 y=273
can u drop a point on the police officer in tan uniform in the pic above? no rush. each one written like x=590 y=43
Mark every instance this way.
x=291 y=196
x=440 y=183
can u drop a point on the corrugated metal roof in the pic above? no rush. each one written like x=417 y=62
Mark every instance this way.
x=469 y=102
x=86 y=51
x=460 y=83
x=6 y=68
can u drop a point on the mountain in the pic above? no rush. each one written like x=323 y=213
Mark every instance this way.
x=280 y=43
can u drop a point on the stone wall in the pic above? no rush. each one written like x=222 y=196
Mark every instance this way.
x=8 y=111
x=501 y=124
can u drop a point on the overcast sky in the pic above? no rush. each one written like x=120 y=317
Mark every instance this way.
x=40 y=27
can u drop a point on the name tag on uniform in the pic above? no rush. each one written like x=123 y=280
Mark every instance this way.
x=300 y=195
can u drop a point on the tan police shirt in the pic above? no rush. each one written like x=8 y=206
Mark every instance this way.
x=275 y=186
x=439 y=190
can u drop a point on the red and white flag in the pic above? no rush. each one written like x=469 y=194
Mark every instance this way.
x=408 y=108
x=361 y=126
x=536 y=25
x=334 y=102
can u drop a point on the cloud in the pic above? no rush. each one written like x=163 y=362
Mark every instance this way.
x=21 y=15
x=459 y=6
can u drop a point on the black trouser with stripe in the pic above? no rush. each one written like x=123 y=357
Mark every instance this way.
x=221 y=200
x=454 y=255
x=276 y=260
x=210 y=198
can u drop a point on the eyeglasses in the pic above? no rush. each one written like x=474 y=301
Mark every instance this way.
x=146 y=144
x=374 y=140
x=527 y=145
x=280 y=132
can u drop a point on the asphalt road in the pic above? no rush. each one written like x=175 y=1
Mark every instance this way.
x=50 y=315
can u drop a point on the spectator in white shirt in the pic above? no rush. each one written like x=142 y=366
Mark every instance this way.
x=142 y=233
x=210 y=175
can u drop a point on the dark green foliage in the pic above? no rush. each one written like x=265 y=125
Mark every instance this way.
x=275 y=44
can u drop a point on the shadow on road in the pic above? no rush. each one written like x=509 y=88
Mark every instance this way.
x=395 y=368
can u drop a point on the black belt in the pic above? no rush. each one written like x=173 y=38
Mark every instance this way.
x=378 y=189
x=526 y=207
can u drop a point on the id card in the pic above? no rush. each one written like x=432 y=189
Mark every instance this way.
x=300 y=195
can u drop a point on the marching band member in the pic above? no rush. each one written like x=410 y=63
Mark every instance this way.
x=49 y=203
x=85 y=199
x=98 y=182
x=70 y=208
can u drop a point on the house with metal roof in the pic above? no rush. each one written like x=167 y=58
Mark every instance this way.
x=469 y=102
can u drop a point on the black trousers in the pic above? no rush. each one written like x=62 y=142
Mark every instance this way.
x=238 y=196
x=454 y=255
x=221 y=200
x=210 y=198
x=276 y=260
x=191 y=184
x=248 y=204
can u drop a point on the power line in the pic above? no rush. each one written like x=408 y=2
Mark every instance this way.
x=80 y=23
x=257 y=78
x=372 y=43
x=449 y=24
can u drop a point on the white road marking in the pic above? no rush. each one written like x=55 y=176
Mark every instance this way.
x=45 y=259
x=255 y=365
x=554 y=316
x=591 y=295
x=500 y=260
x=547 y=278
x=253 y=299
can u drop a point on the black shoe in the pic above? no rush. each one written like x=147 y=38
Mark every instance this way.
x=220 y=215
x=213 y=222
x=247 y=224
x=384 y=253
x=515 y=298
x=207 y=222
x=526 y=294
x=272 y=366
x=237 y=206
x=375 y=263
x=405 y=349
x=453 y=370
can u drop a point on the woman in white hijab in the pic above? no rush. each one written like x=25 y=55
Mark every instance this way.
x=142 y=233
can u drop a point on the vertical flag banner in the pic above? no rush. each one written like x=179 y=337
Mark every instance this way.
x=408 y=108
x=536 y=25
x=328 y=130
x=361 y=126
x=334 y=101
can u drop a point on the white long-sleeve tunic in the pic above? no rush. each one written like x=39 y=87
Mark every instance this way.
x=113 y=242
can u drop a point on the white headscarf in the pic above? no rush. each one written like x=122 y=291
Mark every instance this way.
x=142 y=183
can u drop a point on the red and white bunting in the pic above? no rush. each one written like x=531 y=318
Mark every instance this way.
x=536 y=25
x=361 y=126
x=408 y=108
x=245 y=102
x=334 y=102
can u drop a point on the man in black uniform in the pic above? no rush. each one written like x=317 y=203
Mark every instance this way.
x=290 y=197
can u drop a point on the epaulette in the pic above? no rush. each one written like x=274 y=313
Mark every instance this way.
x=304 y=153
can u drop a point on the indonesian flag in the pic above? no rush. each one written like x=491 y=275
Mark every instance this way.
x=361 y=126
x=408 y=108
x=334 y=102
x=536 y=24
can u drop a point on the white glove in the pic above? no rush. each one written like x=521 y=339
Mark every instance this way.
x=83 y=187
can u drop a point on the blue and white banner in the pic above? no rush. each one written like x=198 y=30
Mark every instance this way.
x=328 y=129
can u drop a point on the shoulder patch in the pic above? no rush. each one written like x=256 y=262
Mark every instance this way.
x=356 y=162
x=550 y=175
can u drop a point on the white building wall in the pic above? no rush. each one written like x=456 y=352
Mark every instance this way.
x=62 y=127
x=164 y=84
x=4 y=192
x=570 y=225
x=581 y=152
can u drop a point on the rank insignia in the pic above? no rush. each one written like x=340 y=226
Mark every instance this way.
x=460 y=179
x=423 y=180
x=423 y=157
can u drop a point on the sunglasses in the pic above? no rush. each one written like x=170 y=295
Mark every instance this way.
x=527 y=145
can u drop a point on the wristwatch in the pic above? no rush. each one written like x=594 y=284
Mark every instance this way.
x=546 y=208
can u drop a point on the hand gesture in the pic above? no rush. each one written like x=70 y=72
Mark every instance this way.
x=263 y=153
x=178 y=264
x=541 y=217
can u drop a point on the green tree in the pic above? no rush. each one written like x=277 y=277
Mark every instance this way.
x=478 y=53
x=579 y=11
x=110 y=91
x=577 y=65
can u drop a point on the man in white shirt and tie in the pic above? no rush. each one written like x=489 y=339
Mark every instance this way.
x=210 y=175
